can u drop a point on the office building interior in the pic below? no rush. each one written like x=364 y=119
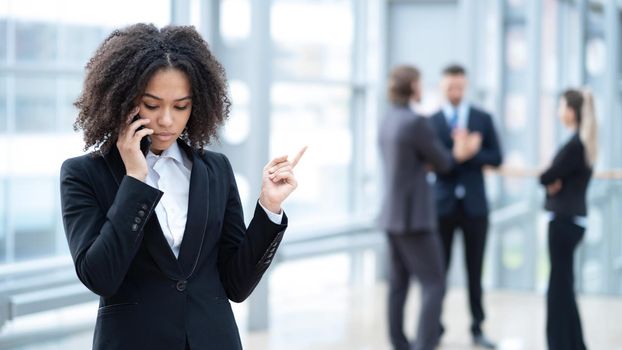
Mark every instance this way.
x=315 y=73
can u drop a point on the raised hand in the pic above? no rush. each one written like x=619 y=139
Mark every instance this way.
x=460 y=151
x=128 y=144
x=474 y=143
x=466 y=144
x=278 y=181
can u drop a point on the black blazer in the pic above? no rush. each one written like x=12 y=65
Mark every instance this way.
x=407 y=145
x=150 y=299
x=468 y=174
x=571 y=167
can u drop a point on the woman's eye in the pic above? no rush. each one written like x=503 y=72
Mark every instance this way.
x=181 y=108
x=150 y=106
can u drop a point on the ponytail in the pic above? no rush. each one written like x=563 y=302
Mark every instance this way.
x=588 y=128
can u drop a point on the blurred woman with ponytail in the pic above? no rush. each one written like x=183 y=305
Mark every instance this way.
x=566 y=182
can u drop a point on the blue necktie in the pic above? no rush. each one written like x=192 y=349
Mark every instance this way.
x=453 y=122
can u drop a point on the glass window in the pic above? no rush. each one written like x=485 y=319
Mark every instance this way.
x=107 y=14
x=237 y=128
x=3 y=103
x=33 y=221
x=69 y=89
x=35 y=104
x=79 y=43
x=596 y=56
x=516 y=51
x=235 y=20
x=316 y=115
x=36 y=42
x=515 y=112
x=3 y=233
x=516 y=3
x=3 y=40
x=312 y=39
x=513 y=249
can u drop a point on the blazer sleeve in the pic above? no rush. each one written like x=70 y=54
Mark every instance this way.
x=103 y=243
x=567 y=160
x=430 y=148
x=490 y=153
x=245 y=253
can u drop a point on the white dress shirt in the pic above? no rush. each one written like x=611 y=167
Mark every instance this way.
x=170 y=173
x=463 y=114
x=462 y=110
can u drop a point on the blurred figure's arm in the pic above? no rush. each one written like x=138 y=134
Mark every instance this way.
x=564 y=163
x=490 y=151
x=429 y=146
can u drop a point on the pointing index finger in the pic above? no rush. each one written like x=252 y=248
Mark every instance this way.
x=298 y=156
x=275 y=161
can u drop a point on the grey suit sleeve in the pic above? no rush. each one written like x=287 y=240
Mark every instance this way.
x=430 y=148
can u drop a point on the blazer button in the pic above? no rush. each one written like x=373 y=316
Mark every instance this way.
x=181 y=285
x=141 y=213
x=137 y=220
x=134 y=227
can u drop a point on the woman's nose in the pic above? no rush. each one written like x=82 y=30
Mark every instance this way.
x=166 y=119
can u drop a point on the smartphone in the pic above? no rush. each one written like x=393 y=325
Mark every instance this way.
x=145 y=143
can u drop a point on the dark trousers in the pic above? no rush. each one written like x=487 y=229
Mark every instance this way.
x=474 y=231
x=416 y=255
x=563 y=324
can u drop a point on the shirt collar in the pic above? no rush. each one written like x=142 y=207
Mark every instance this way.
x=173 y=152
x=462 y=108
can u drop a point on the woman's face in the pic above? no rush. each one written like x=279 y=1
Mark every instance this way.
x=167 y=103
x=566 y=114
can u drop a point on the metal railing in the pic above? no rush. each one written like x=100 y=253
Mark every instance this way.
x=47 y=284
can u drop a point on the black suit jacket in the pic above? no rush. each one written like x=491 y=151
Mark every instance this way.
x=468 y=174
x=150 y=299
x=407 y=145
x=571 y=167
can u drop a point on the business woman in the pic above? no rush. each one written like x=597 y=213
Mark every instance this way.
x=156 y=228
x=410 y=149
x=566 y=182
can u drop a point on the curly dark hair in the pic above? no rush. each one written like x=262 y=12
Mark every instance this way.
x=118 y=74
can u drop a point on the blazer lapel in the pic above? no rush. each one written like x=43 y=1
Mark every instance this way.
x=443 y=127
x=160 y=250
x=153 y=237
x=196 y=220
x=472 y=123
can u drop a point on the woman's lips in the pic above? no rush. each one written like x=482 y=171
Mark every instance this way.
x=164 y=136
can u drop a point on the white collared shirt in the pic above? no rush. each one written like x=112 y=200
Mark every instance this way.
x=463 y=121
x=463 y=113
x=170 y=173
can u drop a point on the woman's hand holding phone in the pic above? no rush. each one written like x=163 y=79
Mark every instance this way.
x=128 y=144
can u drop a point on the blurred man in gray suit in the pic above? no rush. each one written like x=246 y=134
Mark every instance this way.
x=410 y=149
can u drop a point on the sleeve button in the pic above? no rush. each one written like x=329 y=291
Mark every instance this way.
x=144 y=207
x=141 y=213
x=137 y=220
x=134 y=227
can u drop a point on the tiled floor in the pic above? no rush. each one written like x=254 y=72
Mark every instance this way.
x=357 y=321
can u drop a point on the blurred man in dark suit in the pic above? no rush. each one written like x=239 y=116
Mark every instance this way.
x=461 y=196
